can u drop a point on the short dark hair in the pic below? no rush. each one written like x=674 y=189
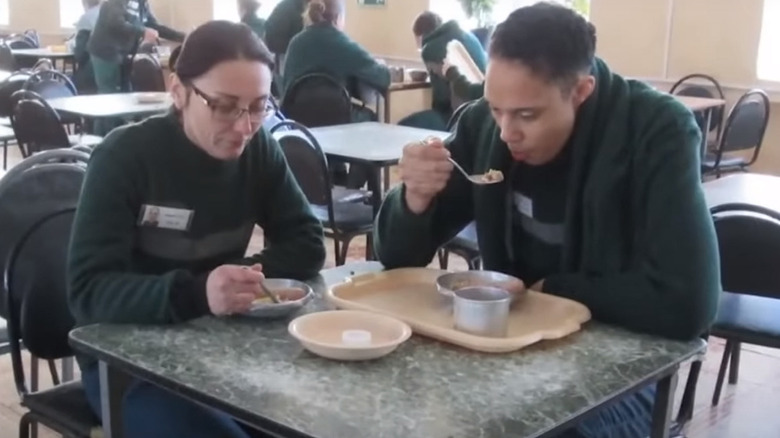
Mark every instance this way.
x=426 y=23
x=215 y=42
x=552 y=40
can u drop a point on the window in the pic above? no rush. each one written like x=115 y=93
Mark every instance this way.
x=453 y=10
x=70 y=12
x=5 y=18
x=228 y=9
x=768 y=64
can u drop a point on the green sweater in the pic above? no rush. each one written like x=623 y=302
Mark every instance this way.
x=285 y=21
x=434 y=51
x=255 y=23
x=322 y=48
x=123 y=272
x=639 y=247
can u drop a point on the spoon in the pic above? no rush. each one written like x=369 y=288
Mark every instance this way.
x=270 y=294
x=482 y=178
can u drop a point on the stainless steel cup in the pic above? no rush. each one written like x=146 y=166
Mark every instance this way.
x=482 y=311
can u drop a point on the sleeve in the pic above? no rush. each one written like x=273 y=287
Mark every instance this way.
x=115 y=18
x=164 y=31
x=102 y=286
x=364 y=67
x=403 y=238
x=462 y=87
x=673 y=285
x=282 y=25
x=294 y=243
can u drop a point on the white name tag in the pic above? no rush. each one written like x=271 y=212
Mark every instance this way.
x=524 y=204
x=166 y=217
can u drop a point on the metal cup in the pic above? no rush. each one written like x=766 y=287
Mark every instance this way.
x=482 y=311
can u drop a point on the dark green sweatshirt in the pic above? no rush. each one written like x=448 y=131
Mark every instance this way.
x=120 y=26
x=434 y=50
x=638 y=244
x=255 y=23
x=122 y=271
x=285 y=21
x=322 y=48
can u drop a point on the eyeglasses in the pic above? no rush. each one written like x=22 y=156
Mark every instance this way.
x=230 y=112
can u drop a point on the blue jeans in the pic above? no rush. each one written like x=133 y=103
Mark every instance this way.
x=628 y=418
x=108 y=78
x=149 y=411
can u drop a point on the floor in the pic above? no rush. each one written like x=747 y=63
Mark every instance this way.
x=746 y=410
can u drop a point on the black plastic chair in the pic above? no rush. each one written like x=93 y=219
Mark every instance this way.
x=37 y=126
x=744 y=130
x=684 y=87
x=50 y=84
x=317 y=100
x=8 y=87
x=343 y=221
x=146 y=74
x=7 y=60
x=39 y=317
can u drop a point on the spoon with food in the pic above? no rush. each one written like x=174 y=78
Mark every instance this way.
x=492 y=176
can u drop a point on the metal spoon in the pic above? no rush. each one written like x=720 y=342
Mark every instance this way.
x=270 y=294
x=479 y=178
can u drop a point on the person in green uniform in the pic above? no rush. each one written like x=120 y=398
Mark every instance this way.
x=432 y=37
x=601 y=200
x=323 y=47
x=168 y=208
x=285 y=21
x=119 y=30
x=247 y=10
x=83 y=76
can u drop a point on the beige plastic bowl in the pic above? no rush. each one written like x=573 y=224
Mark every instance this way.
x=322 y=333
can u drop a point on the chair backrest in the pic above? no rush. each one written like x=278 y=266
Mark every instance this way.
x=32 y=36
x=50 y=84
x=683 y=87
x=8 y=87
x=46 y=182
x=7 y=60
x=749 y=244
x=146 y=74
x=317 y=100
x=37 y=126
x=747 y=122
x=21 y=42
x=275 y=118
x=35 y=277
x=306 y=160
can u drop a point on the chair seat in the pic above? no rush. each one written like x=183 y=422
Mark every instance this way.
x=66 y=406
x=343 y=194
x=85 y=140
x=748 y=318
x=350 y=217
x=725 y=162
x=466 y=239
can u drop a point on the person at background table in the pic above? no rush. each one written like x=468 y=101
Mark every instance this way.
x=432 y=37
x=247 y=10
x=83 y=75
x=285 y=21
x=120 y=27
x=167 y=210
x=601 y=201
x=323 y=47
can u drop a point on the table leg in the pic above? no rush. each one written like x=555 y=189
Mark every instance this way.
x=5 y=155
x=662 y=410
x=386 y=182
x=67 y=369
x=387 y=108
x=706 y=132
x=112 y=388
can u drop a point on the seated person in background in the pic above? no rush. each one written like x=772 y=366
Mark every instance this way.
x=324 y=48
x=167 y=211
x=83 y=76
x=120 y=27
x=432 y=37
x=247 y=10
x=601 y=201
x=285 y=21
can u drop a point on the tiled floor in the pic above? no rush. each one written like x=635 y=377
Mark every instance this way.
x=748 y=410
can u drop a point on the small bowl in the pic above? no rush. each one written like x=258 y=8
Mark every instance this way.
x=447 y=284
x=344 y=334
x=294 y=294
x=417 y=75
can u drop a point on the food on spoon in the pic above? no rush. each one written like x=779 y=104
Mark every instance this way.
x=284 y=295
x=493 y=175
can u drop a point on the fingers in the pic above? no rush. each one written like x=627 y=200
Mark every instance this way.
x=246 y=274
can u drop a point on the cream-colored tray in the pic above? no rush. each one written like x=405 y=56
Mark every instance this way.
x=410 y=295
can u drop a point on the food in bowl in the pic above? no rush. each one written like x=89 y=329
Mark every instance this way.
x=493 y=175
x=284 y=295
x=418 y=75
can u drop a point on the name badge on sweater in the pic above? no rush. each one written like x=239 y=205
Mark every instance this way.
x=165 y=217
x=524 y=204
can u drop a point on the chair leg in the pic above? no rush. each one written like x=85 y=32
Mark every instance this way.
x=24 y=426
x=337 y=251
x=724 y=363
x=734 y=366
x=444 y=258
x=33 y=373
x=342 y=257
x=369 y=247
x=689 y=395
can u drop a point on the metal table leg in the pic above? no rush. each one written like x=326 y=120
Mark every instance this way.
x=662 y=410
x=112 y=389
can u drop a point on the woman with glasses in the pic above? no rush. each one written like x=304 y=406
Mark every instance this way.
x=168 y=209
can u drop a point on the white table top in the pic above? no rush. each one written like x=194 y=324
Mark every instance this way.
x=373 y=142
x=744 y=188
x=110 y=105
x=42 y=52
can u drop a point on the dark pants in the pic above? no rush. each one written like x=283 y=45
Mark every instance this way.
x=152 y=412
x=629 y=418
x=108 y=78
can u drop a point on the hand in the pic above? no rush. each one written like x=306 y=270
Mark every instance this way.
x=425 y=170
x=445 y=66
x=231 y=289
x=435 y=68
x=151 y=35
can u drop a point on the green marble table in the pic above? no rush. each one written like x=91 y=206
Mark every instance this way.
x=256 y=372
